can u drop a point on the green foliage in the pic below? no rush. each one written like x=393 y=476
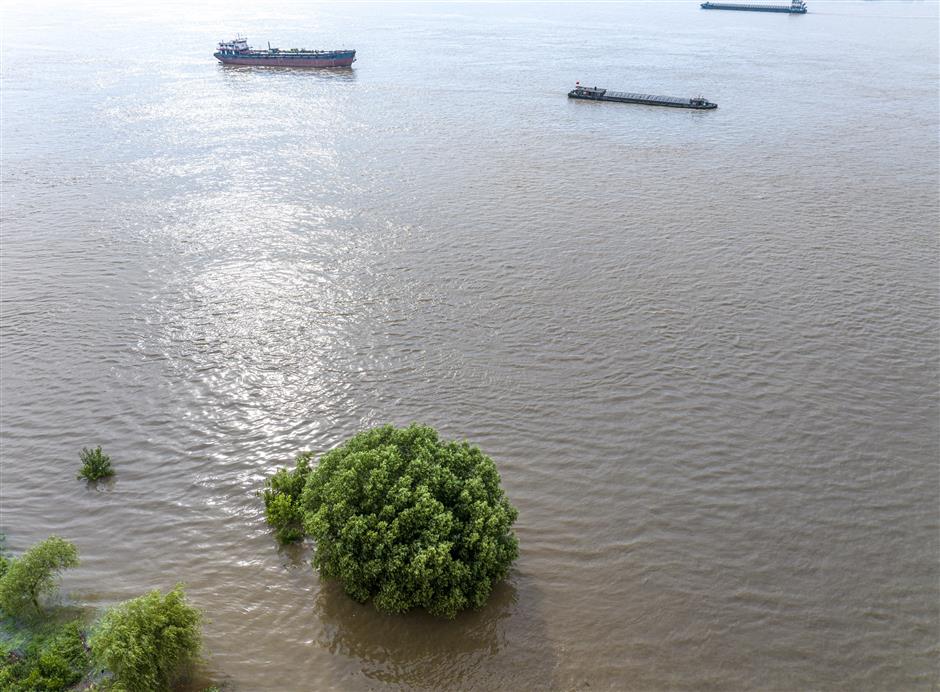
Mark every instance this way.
x=281 y=495
x=95 y=464
x=33 y=574
x=50 y=660
x=408 y=521
x=147 y=641
x=4 y=560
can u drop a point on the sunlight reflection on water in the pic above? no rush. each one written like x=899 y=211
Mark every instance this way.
x=701 y=347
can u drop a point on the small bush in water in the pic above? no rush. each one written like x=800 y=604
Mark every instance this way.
x=281 y=495
x=34 y=574
x=407 y=520
x=148 y=641
x=95 y=464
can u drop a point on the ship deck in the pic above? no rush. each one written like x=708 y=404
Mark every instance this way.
x=646 y=97
x=296 y=53
x=788 y=9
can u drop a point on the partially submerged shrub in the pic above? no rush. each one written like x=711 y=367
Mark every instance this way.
x=33 y=574
x=281 y=495
x=148 y=641
x=409 y=521
x=54 y=659
x=4 y=560
x=95 y=464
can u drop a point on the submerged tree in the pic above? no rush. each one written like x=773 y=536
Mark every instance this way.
x=148 y=641
x=281 y=496
x=33 y=574
x=407 y=520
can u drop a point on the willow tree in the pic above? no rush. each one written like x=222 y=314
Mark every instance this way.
x=148 y=641
x=34 y=574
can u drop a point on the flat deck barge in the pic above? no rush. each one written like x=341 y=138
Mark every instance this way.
x=596 y=94
x=795 y=7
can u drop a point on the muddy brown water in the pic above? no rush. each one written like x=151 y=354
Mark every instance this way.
x=702 y=347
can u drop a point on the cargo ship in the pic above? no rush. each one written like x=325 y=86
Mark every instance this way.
x=238 y=52
x=596 y=94
x=795 y=7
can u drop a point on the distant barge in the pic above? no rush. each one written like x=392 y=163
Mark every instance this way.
x=595 y=94
x=795 y=7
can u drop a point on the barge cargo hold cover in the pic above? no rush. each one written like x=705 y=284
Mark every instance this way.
x=795 y=7
x=596 y=94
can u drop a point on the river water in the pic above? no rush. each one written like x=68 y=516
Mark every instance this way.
x=702 y=347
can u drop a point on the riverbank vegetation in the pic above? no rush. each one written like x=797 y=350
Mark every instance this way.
x=401 y=518
x=37 y=652
x=43 y=656
x=141 y=645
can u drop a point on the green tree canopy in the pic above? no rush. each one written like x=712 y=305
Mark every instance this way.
x=34 y=574
x=407 y=520
x=147 y=641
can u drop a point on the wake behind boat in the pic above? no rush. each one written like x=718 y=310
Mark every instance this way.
x=238 y=52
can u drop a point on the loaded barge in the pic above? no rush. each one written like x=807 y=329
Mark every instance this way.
x=238 y=52
x=595 y=94
x=795 y=7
